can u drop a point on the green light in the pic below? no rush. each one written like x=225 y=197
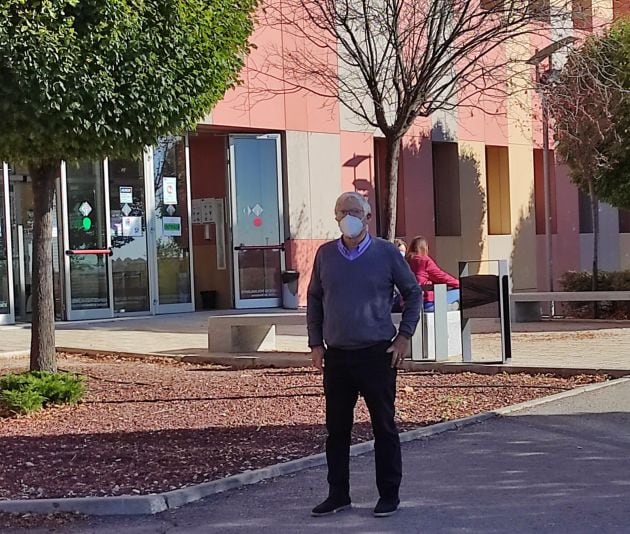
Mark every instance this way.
x=86 y=223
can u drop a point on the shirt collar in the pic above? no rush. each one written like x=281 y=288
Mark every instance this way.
x=356 y=251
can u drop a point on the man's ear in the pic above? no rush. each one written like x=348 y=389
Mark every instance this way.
x=368 y=216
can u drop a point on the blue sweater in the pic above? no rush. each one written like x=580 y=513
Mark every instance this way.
x=349 y=302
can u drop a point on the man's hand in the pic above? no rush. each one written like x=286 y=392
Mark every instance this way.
x=317 y=357
x=399 y=349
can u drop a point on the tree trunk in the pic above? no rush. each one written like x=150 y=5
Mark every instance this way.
x=595 y=217
x=392 y=159
x=43 y=357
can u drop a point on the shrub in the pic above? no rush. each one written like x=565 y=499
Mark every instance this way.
x=21 y=401
x=606 y=281
x=59 y=388
x=26 y=392
x=14 y=381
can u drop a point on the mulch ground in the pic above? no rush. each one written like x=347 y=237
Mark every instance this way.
x=150 y=427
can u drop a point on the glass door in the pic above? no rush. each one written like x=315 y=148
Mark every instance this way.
x=128 y=227
x=6 y=270
x=257 y=223
x=88 y=275
x=173 y=287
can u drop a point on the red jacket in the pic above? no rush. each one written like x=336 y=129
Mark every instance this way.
x=428 y=273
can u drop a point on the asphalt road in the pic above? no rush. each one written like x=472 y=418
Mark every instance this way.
x=563 y=467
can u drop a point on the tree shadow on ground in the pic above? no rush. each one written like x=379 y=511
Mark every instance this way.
x=120 y=463
x=545 y=473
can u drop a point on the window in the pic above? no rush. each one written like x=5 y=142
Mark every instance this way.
x=446 y=189
x=621 y=8
x=624 y=221
x=539 y=10
x=498 y=192
x=586 y=216
x=539 y=192
x=492 y=5
x=582 y=14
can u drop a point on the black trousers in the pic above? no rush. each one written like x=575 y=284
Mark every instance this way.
x=368 y=372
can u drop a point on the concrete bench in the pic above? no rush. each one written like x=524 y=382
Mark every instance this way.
x=526 y=306
x=248 y=332
x=257 y=332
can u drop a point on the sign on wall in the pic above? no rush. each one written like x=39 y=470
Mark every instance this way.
x=209 y=211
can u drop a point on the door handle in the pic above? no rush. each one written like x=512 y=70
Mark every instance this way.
x=90 y=252
x=259 y=247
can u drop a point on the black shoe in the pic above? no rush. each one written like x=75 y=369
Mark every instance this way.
x=331 y=506
x=386 y=507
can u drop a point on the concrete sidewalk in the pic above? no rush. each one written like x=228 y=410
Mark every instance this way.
x=559 y=344
x=561 y=467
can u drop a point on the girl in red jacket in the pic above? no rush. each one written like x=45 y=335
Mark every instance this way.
x=428 y=273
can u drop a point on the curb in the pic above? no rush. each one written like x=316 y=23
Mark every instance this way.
x=559 y=396
x=138 y=355
x=14 y=355
x=493 y=369
x=287 y=359
x=160 y=502
x=120 y=505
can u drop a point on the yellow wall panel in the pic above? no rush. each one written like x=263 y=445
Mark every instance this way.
x=498 y=194
x=523 y=256
x=448 y=253
x=602 y=11
x=472 y=176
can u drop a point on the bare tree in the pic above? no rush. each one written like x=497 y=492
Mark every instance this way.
x=393 y=61
x=583 y=100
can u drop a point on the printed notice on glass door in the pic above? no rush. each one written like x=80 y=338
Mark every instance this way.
x=126 y=194
x=169 y=185
x=172 y=226
x=132 y=226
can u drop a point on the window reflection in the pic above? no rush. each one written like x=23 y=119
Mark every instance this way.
x=4 y=255
x=87 y=230
x=129 y=236
x=171 y=228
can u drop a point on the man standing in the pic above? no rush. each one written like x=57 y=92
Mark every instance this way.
x=350 y=333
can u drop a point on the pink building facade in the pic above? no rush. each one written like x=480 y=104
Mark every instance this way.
x=212 y=220
x=470 y=181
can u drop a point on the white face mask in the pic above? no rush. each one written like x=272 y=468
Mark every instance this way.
x=351 y=226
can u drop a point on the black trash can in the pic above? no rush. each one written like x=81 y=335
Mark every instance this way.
x=290 y=299
x=208 y=300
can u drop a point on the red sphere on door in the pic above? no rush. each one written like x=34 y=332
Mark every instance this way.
x=258 y=222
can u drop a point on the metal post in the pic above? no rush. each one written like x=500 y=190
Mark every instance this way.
x=547 y=189
x=504 y=311
x=21 y=271
x=440 y=323
x=466 y=327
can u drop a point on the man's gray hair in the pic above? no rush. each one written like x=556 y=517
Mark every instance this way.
x=363 y=202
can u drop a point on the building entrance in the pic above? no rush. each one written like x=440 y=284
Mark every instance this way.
x=257 y=220
x=120 y=237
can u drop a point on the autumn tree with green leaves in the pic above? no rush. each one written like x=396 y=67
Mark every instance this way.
x=86 y=79
x=586 y=100
x=613 y=181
